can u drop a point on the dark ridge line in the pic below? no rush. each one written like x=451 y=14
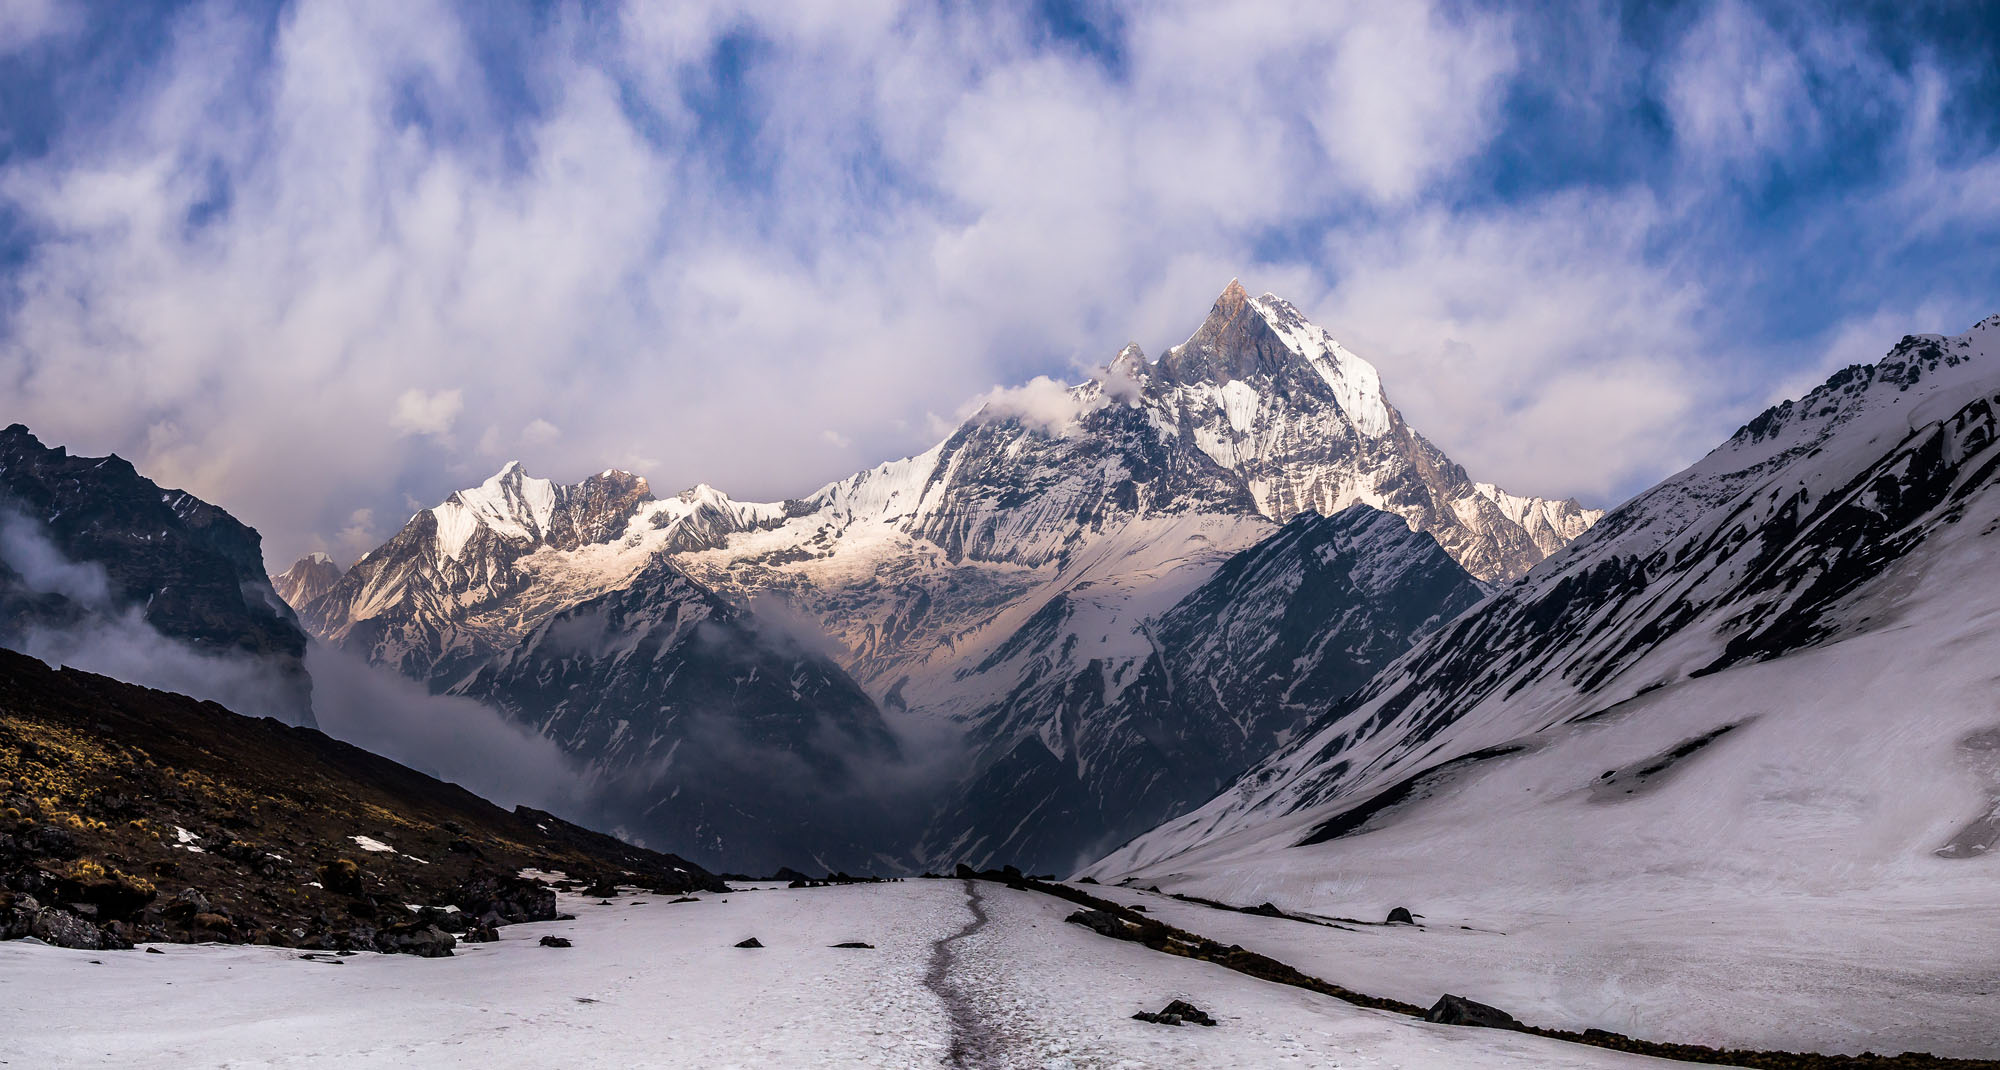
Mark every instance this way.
x=1351 y=820
x=1167 y=939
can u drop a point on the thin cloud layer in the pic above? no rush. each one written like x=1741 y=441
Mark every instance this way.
x=324 y=262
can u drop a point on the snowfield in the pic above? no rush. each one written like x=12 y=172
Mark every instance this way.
x=654 y=983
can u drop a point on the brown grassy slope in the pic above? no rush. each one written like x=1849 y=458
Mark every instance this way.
x=97 y=775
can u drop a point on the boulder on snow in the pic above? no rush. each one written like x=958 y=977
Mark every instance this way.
x=1457 y=1010
x=555 y=941
x=60 y=928
x=1103 y=923
x=1178 y=1012
x=416 y=938
x=1400 y=916
x=752 y=942
x=856 y=944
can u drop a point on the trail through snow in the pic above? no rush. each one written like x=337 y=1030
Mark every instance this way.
x=971 y=1039
x=652 y=983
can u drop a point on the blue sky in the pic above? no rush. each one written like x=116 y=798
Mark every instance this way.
x=323 y=262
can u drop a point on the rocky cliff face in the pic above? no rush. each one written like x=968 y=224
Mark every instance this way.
x=722 y=735
x=97 y=543
x=1234 y=668
x=308 y=578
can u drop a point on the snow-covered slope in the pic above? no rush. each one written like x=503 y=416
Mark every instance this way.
x=1759 y=697
x=973 y=590
x=658 y=984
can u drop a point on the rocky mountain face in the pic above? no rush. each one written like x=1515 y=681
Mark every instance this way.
x=1000 y=591
x=95 y=543
x=1236 y=667
x=308 y=578
x=1797 y=533
x=722 y=734
x=461 y=582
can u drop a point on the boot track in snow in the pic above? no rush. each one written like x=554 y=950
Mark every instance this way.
x=973 y=1045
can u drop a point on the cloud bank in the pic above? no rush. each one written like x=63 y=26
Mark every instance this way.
x=323 y=262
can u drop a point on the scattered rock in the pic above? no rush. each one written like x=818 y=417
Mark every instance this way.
x=752 y=942
x=1400 y=916
x=687 y=899
x=602 y=888
x=1188 y=1012
x=554 y=941
x=60 y=928
x=1457 y=1010
x=1179 y=1012
x=857 y=944
x=154 y=951
x=1102 y=922
x=416 y=938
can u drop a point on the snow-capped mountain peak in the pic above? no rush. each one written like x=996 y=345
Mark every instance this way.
x=521 y=509
x=308 y=578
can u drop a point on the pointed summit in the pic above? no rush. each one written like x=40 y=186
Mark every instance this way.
x=308 y=578
x=1234 y=342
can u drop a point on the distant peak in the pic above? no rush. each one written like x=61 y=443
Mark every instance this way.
x=320 y=557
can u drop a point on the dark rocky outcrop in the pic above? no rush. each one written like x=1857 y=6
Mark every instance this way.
x=187 y=569
x=130 y=815
x=1457 y=1010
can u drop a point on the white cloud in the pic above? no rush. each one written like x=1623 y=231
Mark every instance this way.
x=1043 y=403
x=1737 y=91
x=418 y=413
x=1535 y=345
x=539 y=432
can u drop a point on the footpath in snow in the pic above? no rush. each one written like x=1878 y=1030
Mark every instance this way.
x=654 y=983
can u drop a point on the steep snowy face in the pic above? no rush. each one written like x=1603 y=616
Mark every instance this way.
x=516 y=509
x=308 y=578
x=1776 y=542
x=470 y=577
x=1260 y=413
x=1091 y=745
